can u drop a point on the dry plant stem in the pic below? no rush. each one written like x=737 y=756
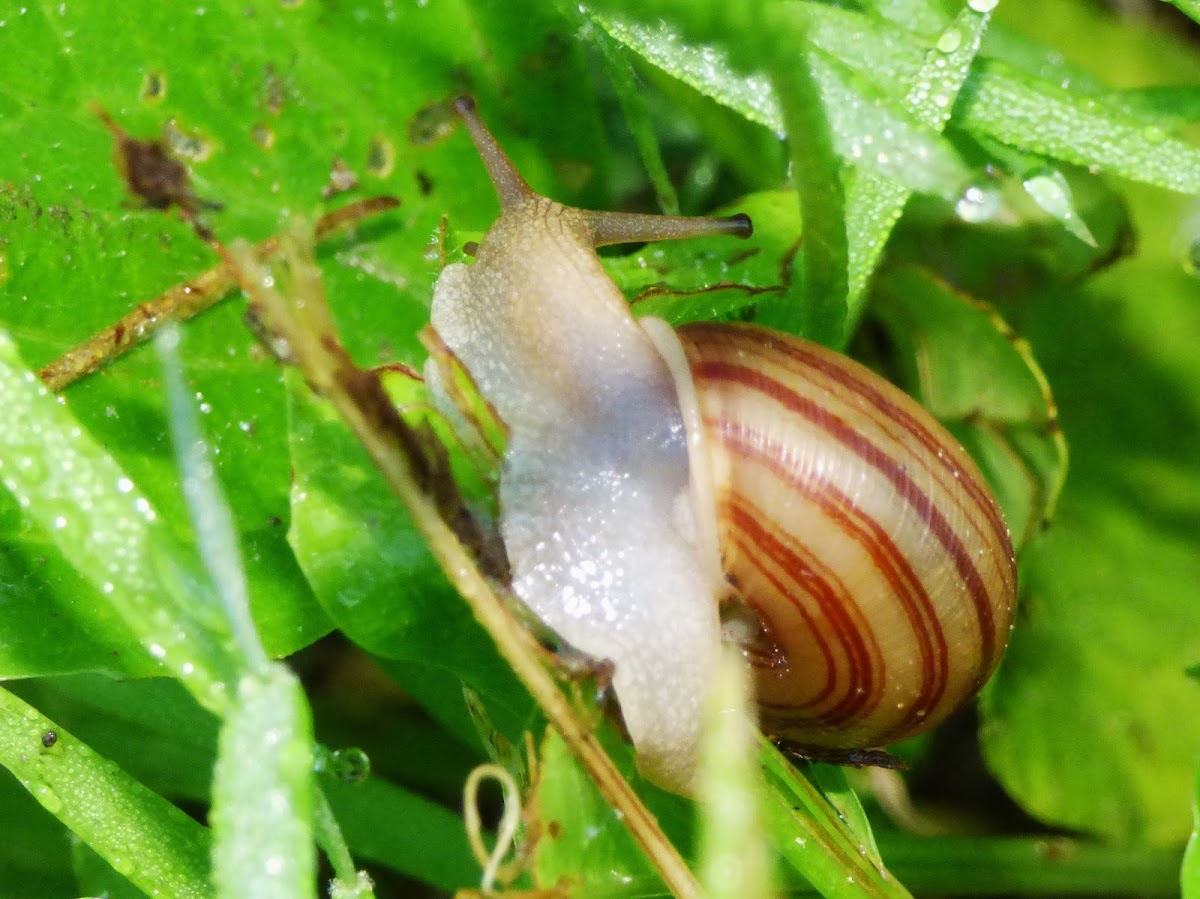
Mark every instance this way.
x=184 y=301
x=302 y=323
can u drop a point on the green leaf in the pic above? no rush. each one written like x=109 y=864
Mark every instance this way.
x=1107 y=612
x=273 y=97
x=78 y=496
x=368 y=566
x=875 y=202
x=583 y=842
x=967 y=367
x=1189 y=7
x=812 y=835
x=1035 y=865
x=713 y=278
x=819 y=308
x=637 y=116
x=262 y=792
x=146 y=839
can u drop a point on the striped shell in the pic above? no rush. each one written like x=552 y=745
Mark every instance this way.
x=861 y=533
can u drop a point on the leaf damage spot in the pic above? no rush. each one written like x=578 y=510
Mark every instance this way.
x=151 y=174
x=381 y=156
x=154 y=86
x=341 y=179
x=432 y=124
x=263 y=136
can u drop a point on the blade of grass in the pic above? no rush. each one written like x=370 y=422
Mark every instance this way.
x=1089 y=128
x=212 y=521
x=817 y=841
x=633 y=105
x=263 y=792
x=1029 y=866
x=1042 y=118
x=1190 y=8
x=735 y=862
x=874 y=203
x=820 y=311
x=146 y=839
x=393 y=826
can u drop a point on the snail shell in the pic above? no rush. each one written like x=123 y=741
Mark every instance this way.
x=659 y=486
x=860 y=533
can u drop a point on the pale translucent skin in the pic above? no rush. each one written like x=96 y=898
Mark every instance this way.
x=596 y=512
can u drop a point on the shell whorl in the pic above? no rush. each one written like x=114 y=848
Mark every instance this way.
x=858 y=530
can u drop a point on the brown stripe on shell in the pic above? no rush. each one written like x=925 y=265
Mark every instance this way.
x=888 y=558
x=889 y=467
x=887 y=407
x=890 y=409
x=846 y=625
x=839 y=399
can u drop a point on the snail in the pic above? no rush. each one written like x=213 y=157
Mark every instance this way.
x=663 y=490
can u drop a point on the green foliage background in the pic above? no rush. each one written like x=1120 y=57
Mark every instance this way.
x=1075 y=127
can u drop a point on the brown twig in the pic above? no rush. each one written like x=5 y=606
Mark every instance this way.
x=301 y=323
x=185 y=301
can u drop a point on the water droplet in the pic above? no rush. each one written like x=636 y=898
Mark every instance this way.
x=350 y=765
x=982 y=5
x=154 y=86
x=60 y=522
x=50 y=800
x=1049 y=189
x=1154 y=134
x=124 y=485
x=977 y=204
x=143 y=506
x=31 y=467
x=949 y=41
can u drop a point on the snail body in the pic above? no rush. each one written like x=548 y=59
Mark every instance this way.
x=662 y=488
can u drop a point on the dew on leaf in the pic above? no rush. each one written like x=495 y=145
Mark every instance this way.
x=49 y=799
x=977 y=204
x=950 y=41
